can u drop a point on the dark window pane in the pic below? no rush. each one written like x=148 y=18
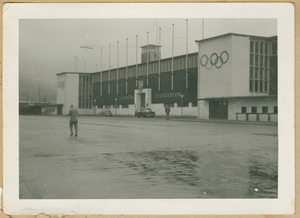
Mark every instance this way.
x=254 y=110
x=256 y=85
x=256 y=47
x=266 y=48
x=251 y=46
x=256 y=60
x=266 y=74
x=261 y=74
x=266 y=86
x=261 y=86
x=266 y=62
x=251 y=59
x=265 y=110
x=274 y=48
x=261 y=61
x=251 y=72
x=275 y=110
x=261 y=48
x=244 y=110
x=256 y=73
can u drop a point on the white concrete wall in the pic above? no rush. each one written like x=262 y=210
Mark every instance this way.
x=240 y=66
x=215 y=82
x=203 y=109
x=61 y=91
x=72 y=92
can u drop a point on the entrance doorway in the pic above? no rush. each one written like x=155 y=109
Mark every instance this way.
x=218 y=110
x=142 y=100
x=59 y=109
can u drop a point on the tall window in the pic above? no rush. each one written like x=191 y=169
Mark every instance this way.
x=85 y=91
x=259 y=67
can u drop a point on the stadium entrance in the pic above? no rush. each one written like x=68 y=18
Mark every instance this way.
x=142 y=98
x=218 y=110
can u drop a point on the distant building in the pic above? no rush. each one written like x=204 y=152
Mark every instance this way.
x=39 y=108
x=232 y=76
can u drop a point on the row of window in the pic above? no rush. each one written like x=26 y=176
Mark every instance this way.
x=184 y=104
x=179 y=64
x=265 y=110
x=50 y=110
x=85 y=91
x=263 y=48
x=259 y=66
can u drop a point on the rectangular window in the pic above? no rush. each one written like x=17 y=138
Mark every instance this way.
x=261 y=48
x=265 y=110
x=251 y=46
x=256 y=47
x=261 y=86
x=244 y=110
x=261 y=61
x=256 y=60
x=256 y=85
x=194 y=104
x=275 y=110
x=251 y=59
x=253 y=110
x=251 y=72
x=274 y=48
x=256 y=73
x=124 y=105
x=251 y=85
x=266 y=48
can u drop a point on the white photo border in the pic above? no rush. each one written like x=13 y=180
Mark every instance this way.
x=283 y=12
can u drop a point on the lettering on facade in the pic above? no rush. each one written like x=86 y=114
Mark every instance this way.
x=125 y=97
x=168 y=95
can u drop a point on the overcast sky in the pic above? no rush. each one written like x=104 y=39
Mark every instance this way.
x=49 y=46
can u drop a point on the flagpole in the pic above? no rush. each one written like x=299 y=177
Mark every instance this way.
x=159 y=59
x=136 y=65
x=101 y=75
x=147 y=56
x=187 y=54
x=117 y=67
x=126 y=65
x=172 y=66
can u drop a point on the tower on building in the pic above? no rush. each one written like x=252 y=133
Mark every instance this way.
x=150 y=51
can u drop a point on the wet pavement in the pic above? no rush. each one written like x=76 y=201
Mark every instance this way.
x=135 y=158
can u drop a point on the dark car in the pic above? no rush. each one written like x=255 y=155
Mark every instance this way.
x=105 y=112
x=145 y=113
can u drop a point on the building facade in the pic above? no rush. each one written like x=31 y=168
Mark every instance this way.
x=237 y=78
x=232 y=77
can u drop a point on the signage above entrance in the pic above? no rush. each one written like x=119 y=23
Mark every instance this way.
x=141 y=85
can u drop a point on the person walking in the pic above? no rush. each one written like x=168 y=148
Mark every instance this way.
x=73 y=113
x=167 y=110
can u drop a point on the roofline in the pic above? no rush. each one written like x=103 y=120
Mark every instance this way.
x=71 y=73
x=234 y=34
x=235 y=97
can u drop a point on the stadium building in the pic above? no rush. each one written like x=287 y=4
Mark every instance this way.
x=232 y=76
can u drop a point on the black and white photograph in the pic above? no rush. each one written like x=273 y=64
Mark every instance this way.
x=151 y=109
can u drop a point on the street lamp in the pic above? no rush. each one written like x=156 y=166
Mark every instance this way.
x=181 y=105
x=116 y=106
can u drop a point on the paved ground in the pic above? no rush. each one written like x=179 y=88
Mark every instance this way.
x=127 y=157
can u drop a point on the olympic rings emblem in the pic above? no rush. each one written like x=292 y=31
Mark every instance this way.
x=61 y=84
x=214 y=60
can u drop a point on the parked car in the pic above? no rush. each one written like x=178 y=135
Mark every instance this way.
x=147 y=112
x=105 y=112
